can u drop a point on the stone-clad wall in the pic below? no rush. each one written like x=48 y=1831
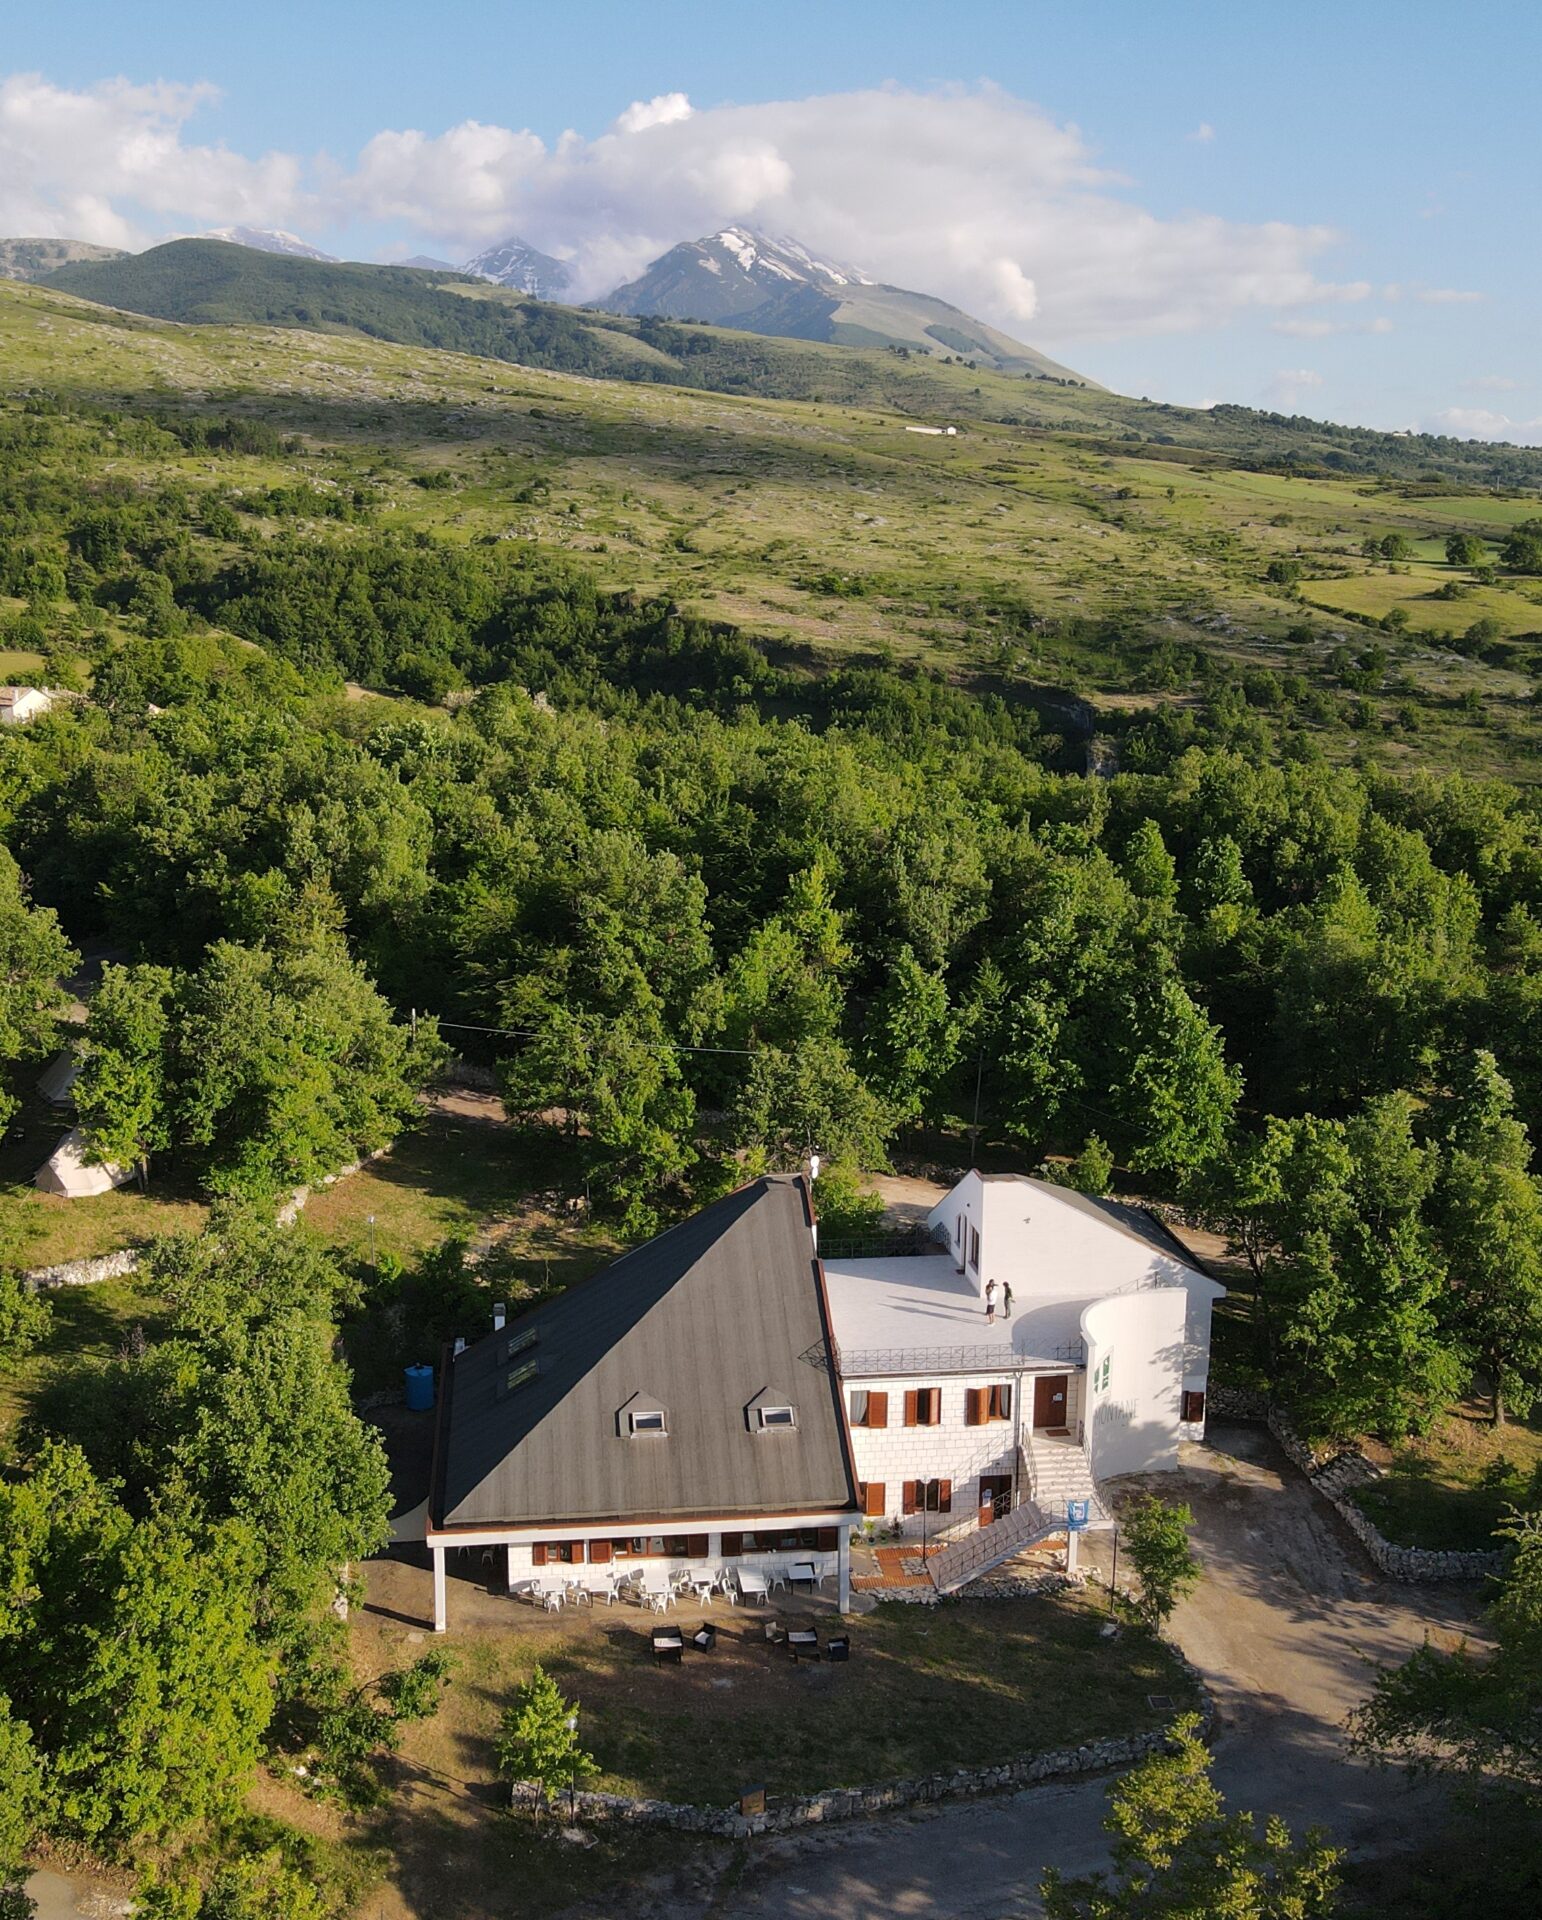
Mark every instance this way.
x=1334 y=1475
x=951 y=1450
x=82 y=1273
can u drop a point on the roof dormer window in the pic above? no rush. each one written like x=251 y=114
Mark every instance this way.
x=648 y=1420
x=774 y=1419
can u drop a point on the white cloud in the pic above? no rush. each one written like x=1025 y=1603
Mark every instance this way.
x=1492 y=383
x=110 y=164
x=1446 y=296
x=1480 y=423
x=969 y=192
x=1285 y=391
x=663 y=110
x=1202 y=135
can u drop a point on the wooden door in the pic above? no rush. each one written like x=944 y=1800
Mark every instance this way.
x=1050 y=1399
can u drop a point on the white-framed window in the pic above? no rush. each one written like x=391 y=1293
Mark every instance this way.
x=773 y=1419
x=649 y=1420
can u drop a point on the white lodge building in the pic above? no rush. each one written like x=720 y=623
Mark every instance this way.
x=1050 y=1342
x=721 y=1397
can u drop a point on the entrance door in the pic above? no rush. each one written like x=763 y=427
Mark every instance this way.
x=1049 y=1399
x=995 y=1497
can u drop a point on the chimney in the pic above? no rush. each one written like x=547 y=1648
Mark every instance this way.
x=460 y=1346
x=498 y=1316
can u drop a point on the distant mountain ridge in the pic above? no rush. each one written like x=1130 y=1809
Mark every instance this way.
x=762 y=283
x=266 y=240
x=34 y=259
x=515 y=263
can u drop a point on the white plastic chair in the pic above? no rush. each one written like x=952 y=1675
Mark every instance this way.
x=657 y=1594
x=752 y=1585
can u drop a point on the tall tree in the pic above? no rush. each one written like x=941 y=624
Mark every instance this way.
x=34 y=958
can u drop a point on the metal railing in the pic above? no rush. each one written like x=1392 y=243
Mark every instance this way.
x=859 y=1362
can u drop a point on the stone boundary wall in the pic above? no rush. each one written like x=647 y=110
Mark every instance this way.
x=113 y=1266
x=850 y=1803
x=1334 y=1474
x=82 y=1273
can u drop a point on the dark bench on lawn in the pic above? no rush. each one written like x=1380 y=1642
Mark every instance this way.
x=668 y=1644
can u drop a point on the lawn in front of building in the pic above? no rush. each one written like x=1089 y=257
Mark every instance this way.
x=967 y=1683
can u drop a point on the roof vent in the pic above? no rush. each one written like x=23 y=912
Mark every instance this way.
x=459 y=1347
x=499 y=1314
x=520 y=1342
x=518 y=1376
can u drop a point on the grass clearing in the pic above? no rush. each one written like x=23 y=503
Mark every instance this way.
x=88 y=1323
x=926 y=1689
x=1449 y=1490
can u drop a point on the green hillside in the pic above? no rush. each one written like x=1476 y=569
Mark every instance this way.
x=208 y=282
x=1110 y=585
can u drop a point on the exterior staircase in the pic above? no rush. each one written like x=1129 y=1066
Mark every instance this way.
x=1057 y=1472
x=987 y=1547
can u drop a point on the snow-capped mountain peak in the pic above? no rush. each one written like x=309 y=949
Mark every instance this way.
x=515 y=263
x=785 y=258
x=267 y=240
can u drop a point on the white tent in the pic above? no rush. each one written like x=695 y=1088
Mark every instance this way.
x=56 y=1082
x=68 y=1172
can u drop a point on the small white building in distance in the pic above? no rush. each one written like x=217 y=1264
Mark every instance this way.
x=1051 y=1341
x=22 y=703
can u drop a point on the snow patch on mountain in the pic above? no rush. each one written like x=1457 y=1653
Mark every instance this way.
x=267 y=240
x=515 y=263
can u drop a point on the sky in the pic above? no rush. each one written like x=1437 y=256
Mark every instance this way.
x=1330 y=209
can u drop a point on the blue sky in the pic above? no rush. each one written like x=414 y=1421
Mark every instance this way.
x=1326 y=207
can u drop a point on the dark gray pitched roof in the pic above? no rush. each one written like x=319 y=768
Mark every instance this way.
x=699 y=1321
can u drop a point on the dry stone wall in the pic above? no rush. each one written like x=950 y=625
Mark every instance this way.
x=1334 y=1473
x=82 y=1273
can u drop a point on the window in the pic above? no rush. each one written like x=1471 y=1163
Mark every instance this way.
x=1194 y=1406
x=517 y=1376
x=923 y=1406
x=520 y=1342
x=868 y=1409
x=987 y=1403
x=974 y=1248
x=651 y=1420
x=777 y=1418
x=928 y=1496
x=958 y=1231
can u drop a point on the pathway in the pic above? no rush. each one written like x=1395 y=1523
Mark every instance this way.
x=1286 y=1627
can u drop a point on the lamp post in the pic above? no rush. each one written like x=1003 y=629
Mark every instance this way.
x=572 y=1725
x=372 y=1261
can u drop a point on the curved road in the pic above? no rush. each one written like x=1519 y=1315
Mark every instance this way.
x=1287 y=1627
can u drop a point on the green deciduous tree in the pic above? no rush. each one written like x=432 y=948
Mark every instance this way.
x=1155 y=1534
x=538 y=1739
x=1466 y=550
x=34 y=956
x=1488 y=1220
x=1179 y=1855
x=121 y=1095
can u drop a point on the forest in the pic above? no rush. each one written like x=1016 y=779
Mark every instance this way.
x=345 y=796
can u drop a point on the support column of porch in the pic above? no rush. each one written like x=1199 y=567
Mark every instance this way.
x=441 y=1611
x=509 y=1574
x=843 y=1570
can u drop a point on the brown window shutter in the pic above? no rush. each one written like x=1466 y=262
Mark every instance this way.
x=874 y=1500
x=733 y=1544
x=974 y=1406
x=578 y=1553
x=538 y=1554
x=910 y=1406
x=934 y=1406
x=944 y=1496
x=599 y=1552
x=908 y=1502
x=696 y=1546
x=878 y=1409
x=826 y=1539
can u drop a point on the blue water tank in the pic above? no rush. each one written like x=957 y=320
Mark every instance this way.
x=420 y=1389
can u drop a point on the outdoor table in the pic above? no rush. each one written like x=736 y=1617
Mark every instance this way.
x=803 y=1570
x=752 y=1586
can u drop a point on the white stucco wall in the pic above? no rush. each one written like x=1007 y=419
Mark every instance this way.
x=1048 y=1245
x=1131 y=1425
